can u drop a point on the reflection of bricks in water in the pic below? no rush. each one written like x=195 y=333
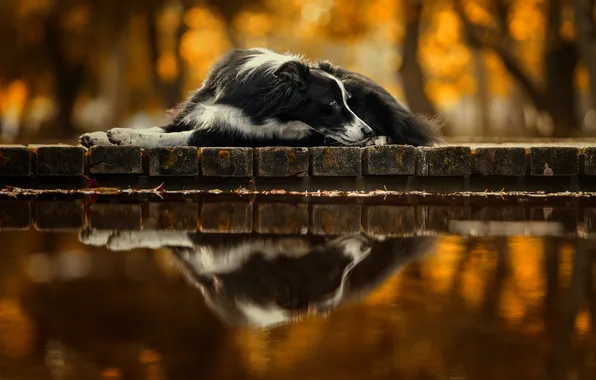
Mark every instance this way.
x=59 y=215
x=14 y=215
x=229 y=217
x=336 y=219
x=390 y=220
x=171 y=216
x=282 y=218
x=113 y=216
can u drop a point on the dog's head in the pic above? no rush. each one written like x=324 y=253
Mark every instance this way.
x=320 y=100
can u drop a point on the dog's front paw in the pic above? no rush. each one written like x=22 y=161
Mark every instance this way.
x=377 y=140
x=122 y=136
x=94 y=138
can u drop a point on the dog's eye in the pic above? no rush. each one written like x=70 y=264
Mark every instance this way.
x=334 y=104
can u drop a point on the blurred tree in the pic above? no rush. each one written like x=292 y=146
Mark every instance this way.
x=411 y=73
x=554 y=93
x=585 y=30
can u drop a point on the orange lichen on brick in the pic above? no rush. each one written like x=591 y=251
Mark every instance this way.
x=224 y=223
x=225 y=154
x=291 y=157
x=170 y=160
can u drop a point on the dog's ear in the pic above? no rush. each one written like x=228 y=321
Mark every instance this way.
x=295 y=73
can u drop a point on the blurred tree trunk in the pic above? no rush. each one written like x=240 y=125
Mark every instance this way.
x=410 y=71
x=68 y=77
x=482 y=94
x=170 y=91
x=585 y=30
x=560 y=61
x=554 y=94
x=114 y=82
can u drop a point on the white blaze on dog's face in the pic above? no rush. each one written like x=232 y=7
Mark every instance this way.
x=325 y=104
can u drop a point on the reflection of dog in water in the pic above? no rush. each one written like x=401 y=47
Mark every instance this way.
x=269 y=280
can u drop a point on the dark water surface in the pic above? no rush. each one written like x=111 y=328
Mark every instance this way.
x=146 y=304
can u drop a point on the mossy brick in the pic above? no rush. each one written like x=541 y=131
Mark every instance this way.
x=15 y=215
x=229 y=217
x=389 y=160
x=590 y=161
x=106 y=159
x=59 y=160
x=115 y=216
x=14 y=161
x=338 y=219
x=554 y=161
x=281 y=162
x=282 y=218
x=500 y=161
x=173 y=161
x=448 y=161
x=336 y=161
x=389 y=220
x=422 y=161
x=227 y=162
x=174 y=216
x=59 y=215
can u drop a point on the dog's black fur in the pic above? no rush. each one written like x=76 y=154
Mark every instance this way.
x=254 y=97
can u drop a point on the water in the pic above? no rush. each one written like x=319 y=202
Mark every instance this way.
x=132 y=303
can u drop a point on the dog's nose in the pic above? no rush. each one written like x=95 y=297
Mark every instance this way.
x=366 y=131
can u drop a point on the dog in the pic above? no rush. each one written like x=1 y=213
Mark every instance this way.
x=257 y=97
x=269 y=280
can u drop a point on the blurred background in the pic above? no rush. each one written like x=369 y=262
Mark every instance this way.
x=489 y=68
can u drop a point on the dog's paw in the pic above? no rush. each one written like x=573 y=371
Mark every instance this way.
x=94 y=138
x=377 y=140
x=122 y=136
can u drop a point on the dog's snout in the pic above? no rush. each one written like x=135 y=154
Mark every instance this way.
x=366 y=131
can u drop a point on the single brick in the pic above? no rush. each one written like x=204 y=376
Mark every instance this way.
x=554 y=160
x=390 y=160
x=15 y=215
x=106 y=159
x=500 y=161
x=115 y=216
x=422 y=161
x=227 y=162
x=281 y=162
x=282 y=218
x=229 y=217
x=59 y=215
x=177 y=216
x=452 y=161
x=590 y=161
x=336 y=161
x=389 y=220
x=439 y=217
x=14 y=161
x=328 y=219
x=59 y=160
x=173 y=161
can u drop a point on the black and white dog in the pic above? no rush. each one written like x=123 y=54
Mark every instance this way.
x=256 y=97
x=268 y=280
